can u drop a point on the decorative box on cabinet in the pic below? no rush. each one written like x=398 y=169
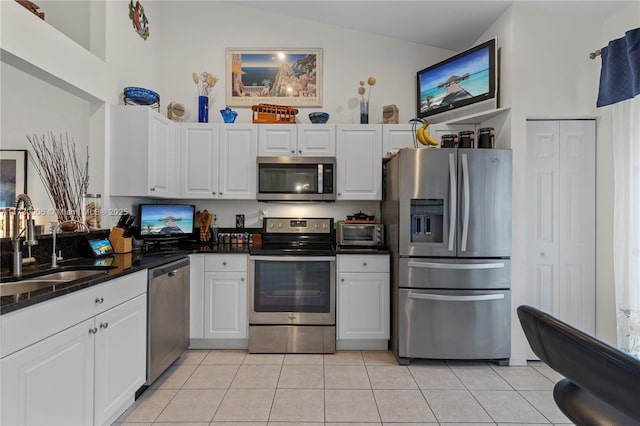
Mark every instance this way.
x=144 y=155
x=77 y=359
x=359 y=161
x=363 y=296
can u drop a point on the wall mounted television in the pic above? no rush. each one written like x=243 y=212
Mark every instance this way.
x=466 y=83
x=166 y=222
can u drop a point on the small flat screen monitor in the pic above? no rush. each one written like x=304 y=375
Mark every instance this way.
x=166 y=221
x=460 y=81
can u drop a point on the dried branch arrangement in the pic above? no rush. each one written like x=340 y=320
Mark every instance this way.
x=62 y=175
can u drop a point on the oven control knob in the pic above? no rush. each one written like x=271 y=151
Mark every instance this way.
x=271 y=225
x=279 y=226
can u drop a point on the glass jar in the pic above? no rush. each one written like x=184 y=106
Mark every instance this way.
x=91 y=208
x=486 y=138
x=466 y=139
x=449 y=141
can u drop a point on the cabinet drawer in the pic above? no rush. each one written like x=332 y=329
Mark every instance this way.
x=225 y=262
x=363 y=263
x=29 y=325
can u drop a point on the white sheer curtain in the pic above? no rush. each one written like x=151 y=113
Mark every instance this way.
x=626 y=221
x=620 y=93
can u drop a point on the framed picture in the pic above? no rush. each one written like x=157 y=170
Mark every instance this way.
x=13 y=175
x=289 y=77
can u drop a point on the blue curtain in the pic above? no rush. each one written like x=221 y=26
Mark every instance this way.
x=620 y=74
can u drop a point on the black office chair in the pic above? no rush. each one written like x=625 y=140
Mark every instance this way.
x=601 y=384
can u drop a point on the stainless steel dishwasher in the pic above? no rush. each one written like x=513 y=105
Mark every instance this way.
x=168 y=316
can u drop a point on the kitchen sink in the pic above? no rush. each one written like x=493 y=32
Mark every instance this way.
x=69 y=275
x=48 y=280
x=26 y=286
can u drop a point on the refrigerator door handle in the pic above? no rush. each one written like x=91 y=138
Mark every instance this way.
x=447 y=298
x=452 y=201
x=436 y=265
x=465 y=214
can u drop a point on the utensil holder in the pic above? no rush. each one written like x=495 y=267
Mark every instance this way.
x=120 y=243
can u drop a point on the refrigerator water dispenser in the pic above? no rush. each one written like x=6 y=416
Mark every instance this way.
x=427 y=220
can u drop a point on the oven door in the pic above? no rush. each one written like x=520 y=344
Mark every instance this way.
x=286 y=290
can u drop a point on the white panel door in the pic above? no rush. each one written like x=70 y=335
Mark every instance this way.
x=561 y=220
x=225 y=305
x=317 y=140
x=396 y=137
x=121 y=357
x=238 y=149
x=51 y=382
x=199 y=149
x=363 y=306
x=359 y=161
x=277 y=140
x=162 y=156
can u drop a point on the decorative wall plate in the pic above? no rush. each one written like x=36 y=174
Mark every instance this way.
x=139 y=19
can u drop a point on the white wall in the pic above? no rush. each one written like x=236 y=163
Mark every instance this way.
x=195 y=35
x=30 y=106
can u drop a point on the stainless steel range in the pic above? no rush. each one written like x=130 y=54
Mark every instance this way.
x=292 y=288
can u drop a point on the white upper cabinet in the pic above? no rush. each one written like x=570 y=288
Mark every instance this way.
x=317 y=140
x=396 y=137
x=359 y=161
x=237 y=161
x=199 y=150
x=143 y=153
x=296 y=140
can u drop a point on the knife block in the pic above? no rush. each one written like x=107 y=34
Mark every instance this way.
x=120 y=243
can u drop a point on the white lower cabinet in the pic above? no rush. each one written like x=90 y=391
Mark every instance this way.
x=225 y=301
x=363 y=301
x=82 y=374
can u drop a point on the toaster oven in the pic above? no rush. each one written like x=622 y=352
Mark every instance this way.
x=360 y=234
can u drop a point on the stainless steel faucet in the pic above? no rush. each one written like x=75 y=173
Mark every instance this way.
x=54 y=256
x=29 y=234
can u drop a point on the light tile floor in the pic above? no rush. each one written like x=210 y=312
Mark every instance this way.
x=228 y=387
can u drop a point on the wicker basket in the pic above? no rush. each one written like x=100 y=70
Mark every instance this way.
x=267 y=113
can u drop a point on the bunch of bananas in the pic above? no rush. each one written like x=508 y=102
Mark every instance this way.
x=422 y=133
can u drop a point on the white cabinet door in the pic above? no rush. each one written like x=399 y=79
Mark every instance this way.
x=316 y=140
x=560 y=176
x=363 y=295
x=162 y=156
x=359 y=161
x=144 y=154
x=396 y=137
x=225 y=305
x=277 y=140
x=199 y=150
x=363 y=306
x=238 y=149
x=120 y=357
x=51 y=382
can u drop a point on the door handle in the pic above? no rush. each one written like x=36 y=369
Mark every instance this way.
x=453 y=199
x=447 y=298
x=465 y=213
x=436 y=265
x=173 y=273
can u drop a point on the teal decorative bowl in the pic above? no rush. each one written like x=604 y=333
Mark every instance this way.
x=319 y=117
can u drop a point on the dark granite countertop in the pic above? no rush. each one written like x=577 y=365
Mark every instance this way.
x=114 y=266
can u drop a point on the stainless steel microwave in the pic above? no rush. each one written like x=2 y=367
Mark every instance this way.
x=296 y=179
x=359 y=234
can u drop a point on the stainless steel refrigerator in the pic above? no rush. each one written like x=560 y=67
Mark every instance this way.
x=447 y=213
